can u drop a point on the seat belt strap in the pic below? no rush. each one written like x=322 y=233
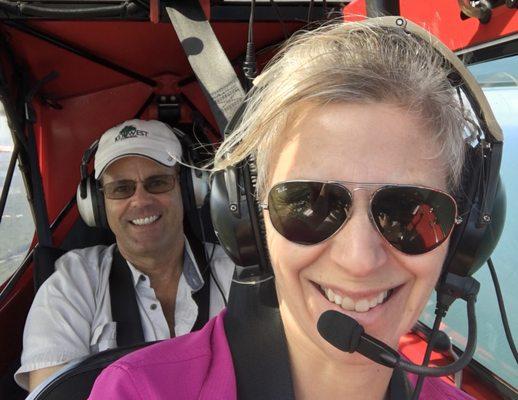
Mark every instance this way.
x=202 y=296
x=209 y=62
x=125 y=311
x=202 y=299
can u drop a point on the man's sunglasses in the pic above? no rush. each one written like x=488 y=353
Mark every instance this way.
x=125 y=188
x=413 y=219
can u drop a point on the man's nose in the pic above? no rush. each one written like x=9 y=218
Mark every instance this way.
x=141 y=194
x=358 y=247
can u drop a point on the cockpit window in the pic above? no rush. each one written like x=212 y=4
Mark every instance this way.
x=16 y=224
x=499 y=80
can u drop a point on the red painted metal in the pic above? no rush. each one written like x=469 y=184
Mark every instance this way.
x=413 y=347
x=443 y=19
x=154 y=11
x=355 y=10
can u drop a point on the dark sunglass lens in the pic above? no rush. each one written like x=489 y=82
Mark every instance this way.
x=159 y=183
x=414 y=220
x=308 y=212
x=119 y=189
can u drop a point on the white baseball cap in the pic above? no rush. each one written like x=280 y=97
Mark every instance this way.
x=136 y=137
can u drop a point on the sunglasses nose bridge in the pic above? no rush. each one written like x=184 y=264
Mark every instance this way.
x=361 y=201
x=362 y=197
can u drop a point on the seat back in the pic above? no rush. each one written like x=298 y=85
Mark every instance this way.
x=79 y=236
x=82 y=235
x=44 y=259
x=76 y=380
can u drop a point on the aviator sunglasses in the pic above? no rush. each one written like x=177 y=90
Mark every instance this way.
x=125 y=188
x=412 y=219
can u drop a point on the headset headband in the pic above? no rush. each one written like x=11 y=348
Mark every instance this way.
x=233 y=207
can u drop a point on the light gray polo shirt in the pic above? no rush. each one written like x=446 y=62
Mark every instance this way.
x=71 y=313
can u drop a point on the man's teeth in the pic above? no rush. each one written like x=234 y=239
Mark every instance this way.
x=145 y=221
x=349 y=304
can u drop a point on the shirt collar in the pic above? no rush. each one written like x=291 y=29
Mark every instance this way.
x=191 y=270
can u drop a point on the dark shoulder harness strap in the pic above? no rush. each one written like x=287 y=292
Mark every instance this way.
x=259 y=351
x=202 y=296
x=256 y=338
x=125 y=311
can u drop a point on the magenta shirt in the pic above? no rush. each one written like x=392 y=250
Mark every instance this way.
x=198 y=366
x=194 y=366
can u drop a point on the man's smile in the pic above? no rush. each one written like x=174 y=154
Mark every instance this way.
x=145 y=220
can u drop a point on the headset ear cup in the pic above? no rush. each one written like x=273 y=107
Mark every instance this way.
x=195 y=188
x=91 y=207
x=85 y=204
x=240 y=231
x=472 y=242
x=234 y=232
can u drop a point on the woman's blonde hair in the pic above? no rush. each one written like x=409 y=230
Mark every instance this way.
x=351 y=63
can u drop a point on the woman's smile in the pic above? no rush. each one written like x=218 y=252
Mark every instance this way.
x=368 y=307
x=362 y=305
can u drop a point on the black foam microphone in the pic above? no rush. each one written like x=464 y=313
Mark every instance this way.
x=346 y=334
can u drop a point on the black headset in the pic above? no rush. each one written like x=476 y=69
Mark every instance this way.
x=236 y=216
x=239 y=223
x=193 y=184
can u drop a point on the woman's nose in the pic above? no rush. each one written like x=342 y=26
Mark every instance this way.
x=358 y=247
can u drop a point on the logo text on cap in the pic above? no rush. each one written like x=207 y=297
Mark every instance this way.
x=129 y=132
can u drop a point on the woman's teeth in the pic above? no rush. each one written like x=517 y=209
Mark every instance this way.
x=145 y=221
x=349 y=304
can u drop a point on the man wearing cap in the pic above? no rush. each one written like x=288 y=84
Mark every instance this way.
x=71 y=316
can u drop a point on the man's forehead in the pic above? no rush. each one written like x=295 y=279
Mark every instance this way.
x=135 y=167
